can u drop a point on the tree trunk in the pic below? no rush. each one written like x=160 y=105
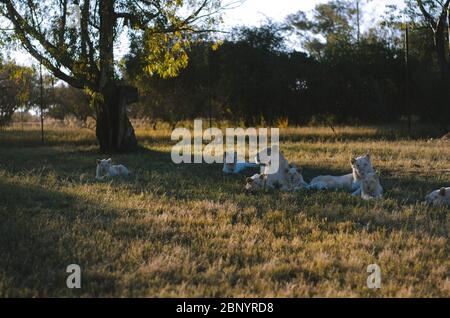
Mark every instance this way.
x=114 y=130
x=440 y=43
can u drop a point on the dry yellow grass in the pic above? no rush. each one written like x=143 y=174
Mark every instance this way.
x=190 y=231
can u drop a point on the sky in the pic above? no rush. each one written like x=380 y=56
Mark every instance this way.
x=254 y=12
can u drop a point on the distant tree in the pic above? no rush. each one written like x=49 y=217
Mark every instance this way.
x=16 y=85
x=69 y=101
x=334 y=22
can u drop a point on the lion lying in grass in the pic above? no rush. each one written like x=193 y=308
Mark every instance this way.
x=371 y=187
x=295 y=179
x=105 y=169
x=255 y=183
x=332 y=183
x=439 y=197
x=361 y=167
x=274 y=168
x=352 y=182
x=277 y=173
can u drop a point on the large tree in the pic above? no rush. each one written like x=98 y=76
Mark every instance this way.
x=83 y=54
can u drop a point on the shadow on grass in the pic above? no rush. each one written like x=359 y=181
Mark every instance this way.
x=43 y=232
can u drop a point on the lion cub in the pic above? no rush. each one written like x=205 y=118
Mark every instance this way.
x=255 y=183
x=294 y=179
x=361 y=167
x=105 y=169
x=439 y=197
x=274 y=167
x=371 y=187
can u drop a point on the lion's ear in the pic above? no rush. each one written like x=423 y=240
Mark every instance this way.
x=353 y=161
x=249 y=180
x=442 y=192
x=109 y=160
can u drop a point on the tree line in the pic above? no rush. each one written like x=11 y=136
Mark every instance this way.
x=340 y=75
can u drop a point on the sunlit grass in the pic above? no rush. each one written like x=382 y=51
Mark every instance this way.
x=188 y=230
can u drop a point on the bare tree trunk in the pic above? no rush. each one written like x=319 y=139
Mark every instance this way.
x=441 y=29
x=441 y=42
x=114 y=130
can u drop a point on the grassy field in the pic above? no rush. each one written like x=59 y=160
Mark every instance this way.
x=187 y=230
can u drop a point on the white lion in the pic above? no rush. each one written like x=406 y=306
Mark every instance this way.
x=439 y=197
x=236 y=167
x=254 y=183
x=105 y=169
x=332 y=183
x=371 y=187
x=350 y=182
x=295 y=179
x=274 y=168
x=361 y=167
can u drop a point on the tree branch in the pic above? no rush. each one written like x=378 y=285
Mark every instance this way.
x=427 y=15
x=59 y=55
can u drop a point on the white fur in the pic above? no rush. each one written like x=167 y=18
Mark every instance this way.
x=333 y=183
x=439 y=197
x=361 y=166
x=256 y=182
x=371 y=187
x=237 y=167
x=275 y=178
x=105 y=169
x=295 y=179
